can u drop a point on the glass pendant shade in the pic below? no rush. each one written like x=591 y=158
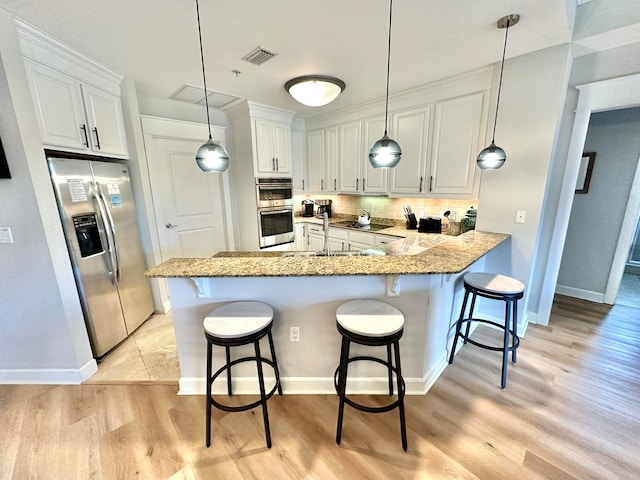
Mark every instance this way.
x=491 y=158
x=385 y=153
x=314 y=90
x=212 y=157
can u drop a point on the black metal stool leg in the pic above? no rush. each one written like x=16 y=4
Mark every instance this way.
x=403 y=425
x=208 y=402
x=342 y=385
x=458 y=326
x=228 y=355
x=390 y=371
x=275 y=362
x=505 y=348
x=514 y=341
x=473 y=306
x=263 y=395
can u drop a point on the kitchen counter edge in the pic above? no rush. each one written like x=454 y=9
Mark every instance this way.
x=448 y=256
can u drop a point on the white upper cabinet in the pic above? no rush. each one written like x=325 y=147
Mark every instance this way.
x=273 y=146
x=456 y=135
x=356 y=173
x=261 y=139
x=77 y=101
x=322 y=156
x=374 y=180
x=411 y=131
x=299 y=158
x=350 y=157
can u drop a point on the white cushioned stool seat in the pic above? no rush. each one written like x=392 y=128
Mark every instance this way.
x=238 y=319
x=494 y=283
x=370 y=318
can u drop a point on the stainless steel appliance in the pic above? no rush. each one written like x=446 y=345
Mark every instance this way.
x=275 y=226
x=323 y=206
x=307 y=208
x=95 y=202
x=274 y=192
x=274 y=197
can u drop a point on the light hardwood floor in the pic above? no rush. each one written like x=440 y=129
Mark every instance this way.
x=571 y=411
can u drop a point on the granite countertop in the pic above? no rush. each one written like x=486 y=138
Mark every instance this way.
x=416 y=254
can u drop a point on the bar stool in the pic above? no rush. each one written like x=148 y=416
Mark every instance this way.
x=377 y=324
x=233 y=325
x=495 y=287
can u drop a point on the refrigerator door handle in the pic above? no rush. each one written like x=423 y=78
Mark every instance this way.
x=107 y=232
x=112 y=227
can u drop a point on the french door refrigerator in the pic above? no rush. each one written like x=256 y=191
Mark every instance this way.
x=96 y=207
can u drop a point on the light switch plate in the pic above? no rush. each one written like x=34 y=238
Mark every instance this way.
x=5 y=235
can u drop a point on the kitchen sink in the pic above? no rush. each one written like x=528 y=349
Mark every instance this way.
x=321 y=253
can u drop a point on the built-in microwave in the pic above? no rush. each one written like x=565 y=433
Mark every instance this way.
x=275 y=226
x=274 y=192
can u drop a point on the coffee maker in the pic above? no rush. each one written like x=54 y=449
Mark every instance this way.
x=307 y=208
x=323 y=206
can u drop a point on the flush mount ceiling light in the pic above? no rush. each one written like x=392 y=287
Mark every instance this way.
x=210 y=157
x=315 y=90
x=493 y=157
x=386 y=152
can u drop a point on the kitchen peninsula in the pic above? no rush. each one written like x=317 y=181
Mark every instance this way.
x=420 y=275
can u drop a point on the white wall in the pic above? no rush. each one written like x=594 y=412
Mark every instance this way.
x=533 y=93
x=42 y=333
x=596 y=218
x=599 y=66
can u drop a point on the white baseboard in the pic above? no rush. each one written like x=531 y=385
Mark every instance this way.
x=49 y=376
x=314 y=385
x=579 y=293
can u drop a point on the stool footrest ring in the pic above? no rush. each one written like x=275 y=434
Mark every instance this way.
x=249 y=406
x=365 y=408
x=516 y=339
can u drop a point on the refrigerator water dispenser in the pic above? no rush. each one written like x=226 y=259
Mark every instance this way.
x=86 y=227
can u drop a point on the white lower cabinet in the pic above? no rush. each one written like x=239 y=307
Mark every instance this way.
x=300 y=242
x=360 y=240
x=382 y=240
x=315 y=237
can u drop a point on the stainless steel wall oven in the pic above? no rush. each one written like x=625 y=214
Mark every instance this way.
x=274 y=197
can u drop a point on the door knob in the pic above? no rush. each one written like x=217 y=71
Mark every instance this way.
x=170 y=225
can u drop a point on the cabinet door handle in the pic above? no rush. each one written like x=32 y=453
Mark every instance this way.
x=273 y=164
x=83 y=127
x=95 y=130
x=322 y=184
x=431 y=184
x=303 y=184
x=342 y=245
x=277 y=166
x=357 y=183
x=363 y=184
x=421 y=179
x=335 y=184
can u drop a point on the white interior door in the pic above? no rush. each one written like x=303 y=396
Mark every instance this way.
x=189 y=204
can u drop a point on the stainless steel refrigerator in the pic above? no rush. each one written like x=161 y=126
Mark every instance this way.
x=96 y=207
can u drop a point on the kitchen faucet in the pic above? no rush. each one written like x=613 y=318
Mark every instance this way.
x=325 y=228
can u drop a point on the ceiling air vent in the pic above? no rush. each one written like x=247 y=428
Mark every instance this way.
x=259 y=55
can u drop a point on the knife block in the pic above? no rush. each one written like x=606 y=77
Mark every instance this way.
x=412 y=223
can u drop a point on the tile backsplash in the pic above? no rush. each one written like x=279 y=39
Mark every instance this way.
x=385 y=207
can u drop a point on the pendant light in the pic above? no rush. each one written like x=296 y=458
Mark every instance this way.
x=386 y=152
x=210 y=157
x=493 y=157
x=315 y=90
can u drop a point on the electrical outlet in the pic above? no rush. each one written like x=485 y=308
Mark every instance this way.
x=5 y=235
x=520 y=216
x=294 y=334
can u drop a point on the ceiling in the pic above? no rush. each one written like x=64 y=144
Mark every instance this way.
x=156 y=42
